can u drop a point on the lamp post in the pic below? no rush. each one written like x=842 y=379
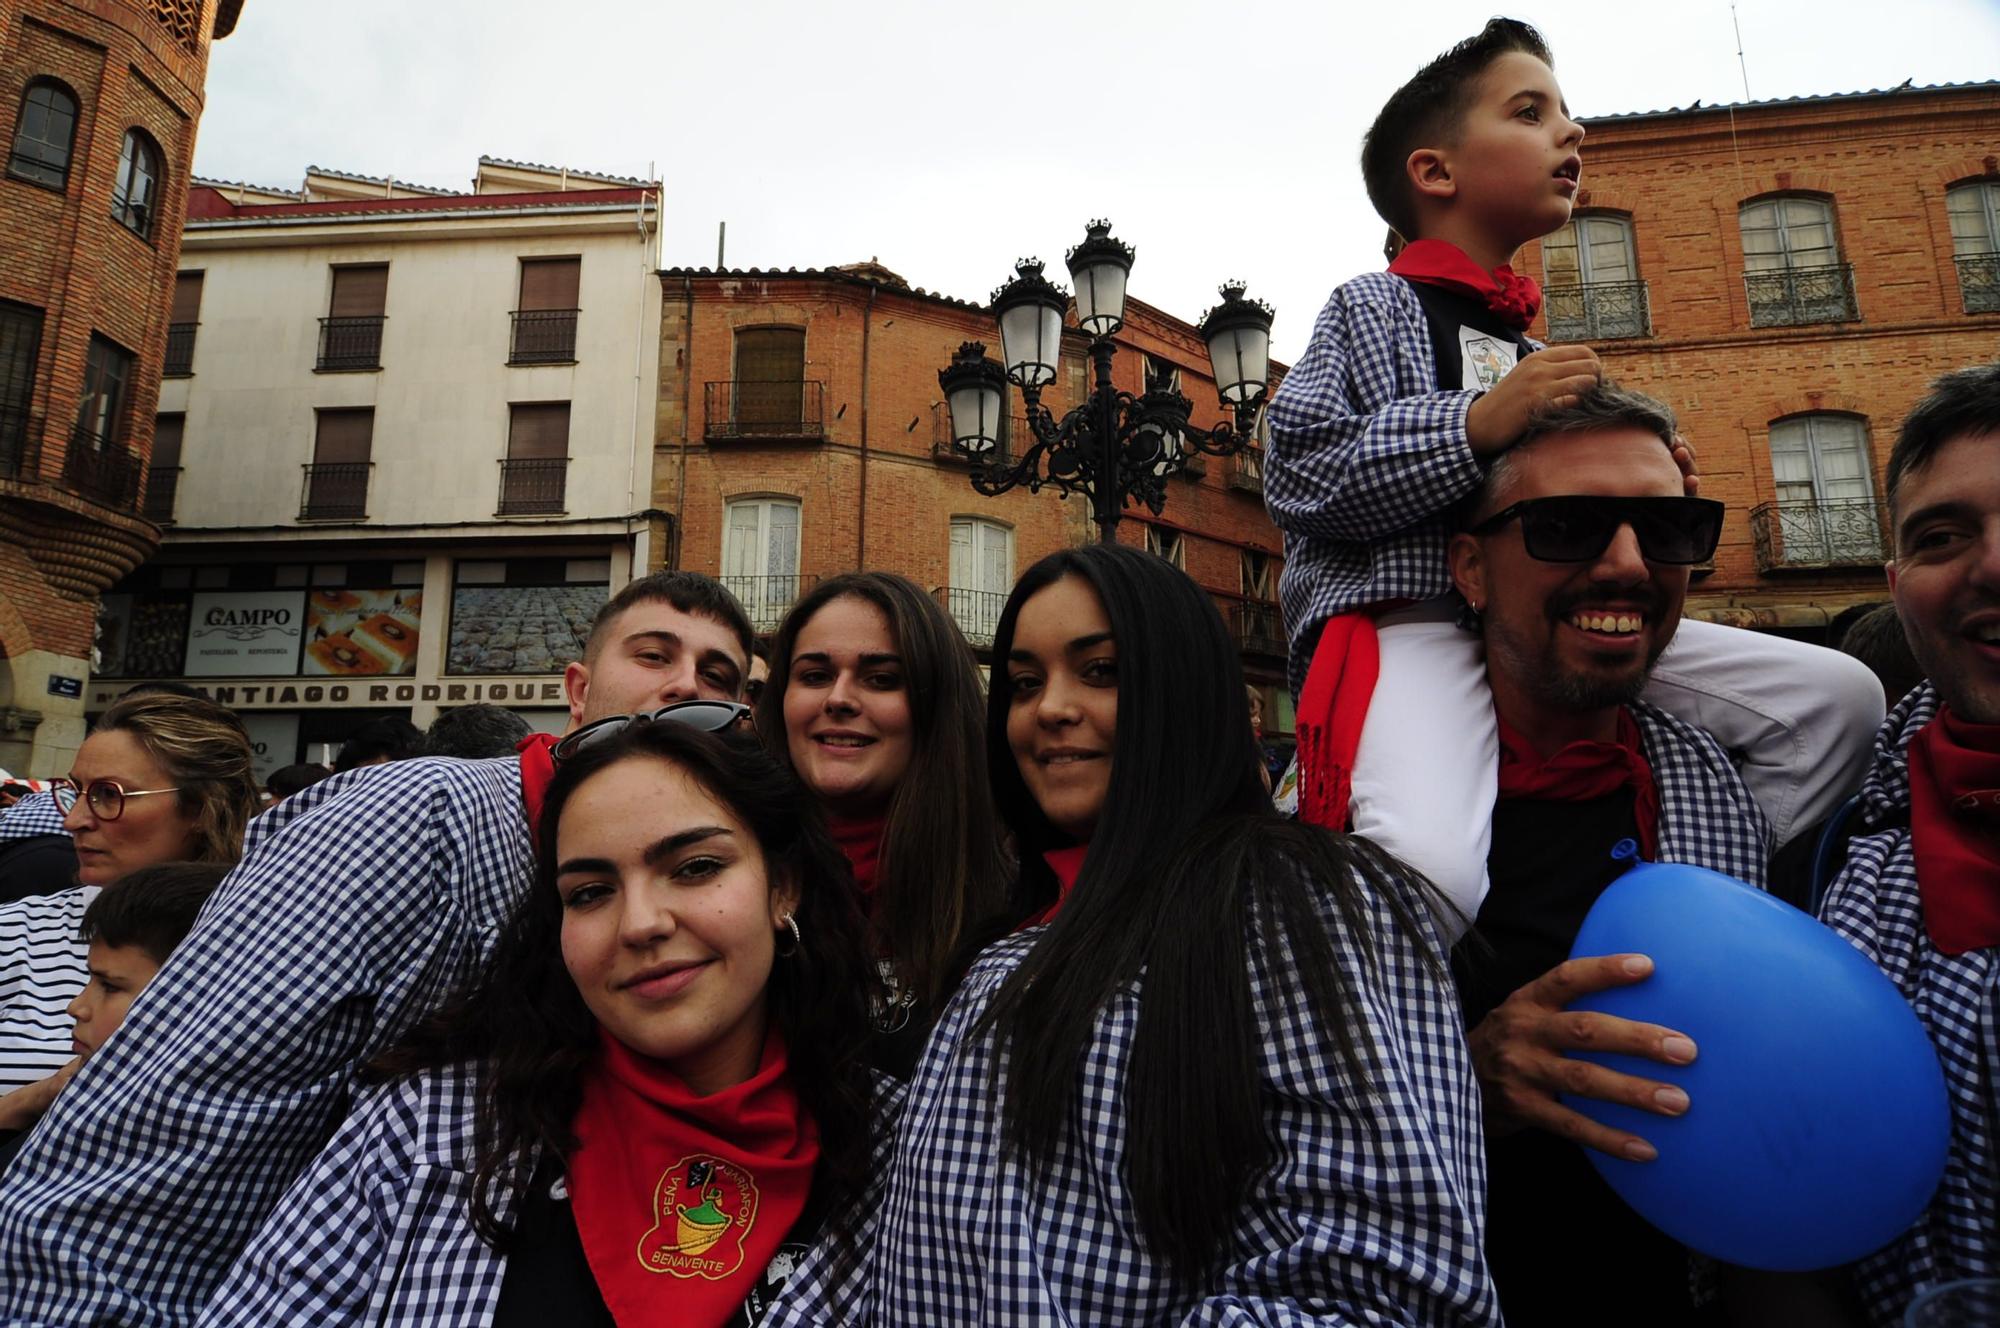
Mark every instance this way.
x=1115 y=446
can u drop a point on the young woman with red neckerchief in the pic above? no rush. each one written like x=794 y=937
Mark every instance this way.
x=644 y=1111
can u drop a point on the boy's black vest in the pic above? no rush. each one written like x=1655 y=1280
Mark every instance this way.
x=1446 y=312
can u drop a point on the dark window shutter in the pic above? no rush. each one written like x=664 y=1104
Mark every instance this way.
x=187 y=298
x=538 y=432
x=550 y=283
x=20 y=343
x=167 y=430
x=771 y=355
x=345 y=436
x=359 y=292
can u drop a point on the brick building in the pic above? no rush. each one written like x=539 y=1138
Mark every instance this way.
x=1789 y=275
x=98 y=106
x=801 y=432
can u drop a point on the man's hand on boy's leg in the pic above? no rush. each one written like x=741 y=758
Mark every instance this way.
x=1555 y=376
x=1684 y=458
x=20 y=1109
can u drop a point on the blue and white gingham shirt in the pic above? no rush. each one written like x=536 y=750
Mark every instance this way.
x=1371 y=1212
x=1708 y=817
x=1873 y=904
x=1367 y=459
x=36 y=814
x=359 y=904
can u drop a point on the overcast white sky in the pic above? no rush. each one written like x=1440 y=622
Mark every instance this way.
x=947 y=139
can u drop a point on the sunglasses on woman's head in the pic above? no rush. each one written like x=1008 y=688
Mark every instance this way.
x=106 y=797
x=702 y=716
x=1578 y=528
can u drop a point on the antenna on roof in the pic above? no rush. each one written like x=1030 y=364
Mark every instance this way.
x=1740 y=64
x=1735 y=148
x=721 y=233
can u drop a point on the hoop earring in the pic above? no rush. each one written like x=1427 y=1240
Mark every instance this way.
x=797 y=940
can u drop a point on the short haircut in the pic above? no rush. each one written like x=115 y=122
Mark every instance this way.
x=203 y=750
x=1605 y=406
x=1877 y=639
x=1427 y=111
x=153 y=908
x=390 y=737
x=1962 y=404
x=690 y=592
x=287 y=780
x=474 y=732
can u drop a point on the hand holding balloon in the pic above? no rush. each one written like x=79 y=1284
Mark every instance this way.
x=1518 y=1052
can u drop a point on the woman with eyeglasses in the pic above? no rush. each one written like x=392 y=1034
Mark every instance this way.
x=161 y=778
x=874 y=702
x=1220 y=1079
x=644 y=1109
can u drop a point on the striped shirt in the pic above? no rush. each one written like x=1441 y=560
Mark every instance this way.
x=1874 y=904
x=42 y=968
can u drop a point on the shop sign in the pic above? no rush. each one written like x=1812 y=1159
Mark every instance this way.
x=297 y=694
x=233 y=633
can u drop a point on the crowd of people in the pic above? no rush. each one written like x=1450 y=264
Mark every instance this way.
x=911 y=994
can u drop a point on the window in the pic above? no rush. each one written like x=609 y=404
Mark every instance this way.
x=1167 y=544
x=351 y=333
x=181 y=325
x=107 y=369
x=545 y=320
x=760 y=557
x=982 y=573
x=163 y=475
x=1791 y=263
x=770 y=380
x=1974 y=209
x=1260 y=627
x=20 y=344
x=1591 y=280
x=1825 y=495
x=532 y=478
x=135 y=194
x=337 y=480
x=44 y=134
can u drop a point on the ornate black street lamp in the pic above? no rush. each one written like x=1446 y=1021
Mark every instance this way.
x=1115 y=446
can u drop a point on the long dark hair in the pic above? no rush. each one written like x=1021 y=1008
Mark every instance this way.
x=1189 y=870
x=526 y=1020
x=942 y=865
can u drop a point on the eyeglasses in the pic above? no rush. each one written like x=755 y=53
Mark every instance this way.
x=702 y=716
x=1577 y=528
x=106 y=797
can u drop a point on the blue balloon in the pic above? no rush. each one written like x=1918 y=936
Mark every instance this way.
x=1817 y=1124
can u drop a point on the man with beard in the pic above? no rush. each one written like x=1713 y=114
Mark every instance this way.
x=1574 y=557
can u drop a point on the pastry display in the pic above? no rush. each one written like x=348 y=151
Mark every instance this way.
x=520 y=629
x=341 y=657
x=389 y=638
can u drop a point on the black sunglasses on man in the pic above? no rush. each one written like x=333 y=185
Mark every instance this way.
x=1578 y=528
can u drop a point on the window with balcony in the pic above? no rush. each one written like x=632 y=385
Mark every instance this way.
x=135 y=193
x=982 y=574
x=20 y=345
x=1974 y=208
x=769 y=398
x=545 y=317
x=350 y=336
x=534 y=476
x=44 y=135
x=163 y=474
x=1792 y=271
x=1260 y=626
x=99 y=464
x=1167 y=544
x=181 y=324
x=1825 y=514
x=336 y=483
x=1590 y=281
x=760 y=557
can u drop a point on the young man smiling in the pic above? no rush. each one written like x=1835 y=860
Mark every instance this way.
x=358 y=905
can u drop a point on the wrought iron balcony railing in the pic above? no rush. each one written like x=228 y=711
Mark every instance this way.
x=543 y=336
x=1598 y=311
x=1246 y=470
x=1979 y=282
x=533 y=487
x=1833 y=532
x=1259 y=626
x=747 y=410
x=163 y=486
x=767 y=599
x=180 y=350
x=335 y=491
x=1013 y=428
x=102 y=470
x=1785 y=297
x=350 y=343
x=977 y=612
x=20 y=449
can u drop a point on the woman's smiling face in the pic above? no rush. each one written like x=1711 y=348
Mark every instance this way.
x=1062 y=708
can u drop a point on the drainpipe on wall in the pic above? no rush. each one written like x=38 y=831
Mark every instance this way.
x=861 y=522
x=687 y=413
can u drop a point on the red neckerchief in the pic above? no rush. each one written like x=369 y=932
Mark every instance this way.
x=538 y=770
x=1955 y=831
x=1067 y=864
x=1333 y=705
x=1514 y=299
x=861 y=841
x=680 y=1200
x=1584 y=770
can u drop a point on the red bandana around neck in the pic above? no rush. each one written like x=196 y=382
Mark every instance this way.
x=538 y=771
x=1513 y=299
x=1955 y=831
x=681 y=1201
x=1333 y=706
x=1067 y=864
x=861 y=841
x=1584 y=770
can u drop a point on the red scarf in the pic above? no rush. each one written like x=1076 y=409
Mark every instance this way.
x=1585 y=770
x=1955 y=831
x=1067 y=864
x=538 y=771
x=680 y=1200
x=1513 y=299
x=861 y=841
x=1333 y=705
